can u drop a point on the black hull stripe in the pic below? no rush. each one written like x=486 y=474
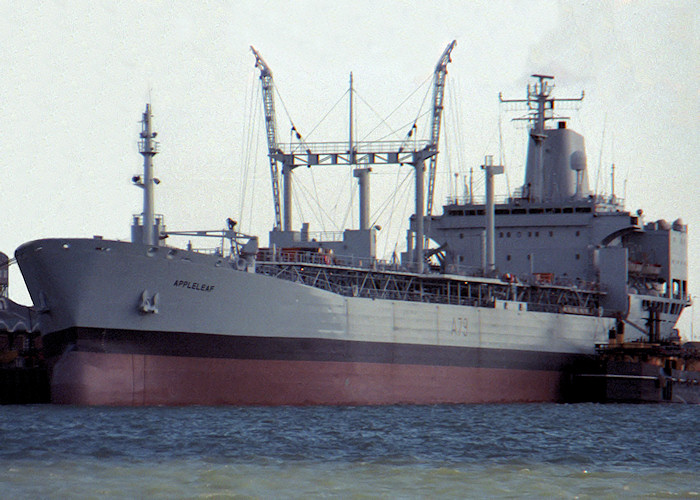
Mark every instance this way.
x=296 y=349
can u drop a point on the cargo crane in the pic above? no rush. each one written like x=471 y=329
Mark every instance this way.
x=438 y=94
x=352 y=153
x=271 y=127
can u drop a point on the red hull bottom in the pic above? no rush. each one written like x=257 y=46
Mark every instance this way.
x=89 y=378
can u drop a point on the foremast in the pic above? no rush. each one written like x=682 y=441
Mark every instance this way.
x=148 y=229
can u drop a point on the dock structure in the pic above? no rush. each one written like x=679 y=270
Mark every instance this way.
x=23 y=374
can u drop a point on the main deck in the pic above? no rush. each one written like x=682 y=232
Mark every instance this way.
x=384 y=281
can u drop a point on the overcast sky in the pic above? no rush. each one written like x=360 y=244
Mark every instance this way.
x=75 y=77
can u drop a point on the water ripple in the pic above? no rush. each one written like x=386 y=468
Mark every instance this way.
x=511 y=451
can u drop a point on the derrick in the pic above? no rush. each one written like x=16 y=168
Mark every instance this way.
x=354 y=152
x=438 y=96
x=268 y=86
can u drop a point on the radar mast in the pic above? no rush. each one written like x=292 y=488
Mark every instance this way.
x=540 y=106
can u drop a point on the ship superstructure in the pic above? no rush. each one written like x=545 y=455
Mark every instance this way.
x=523 y=290
x=554 y=230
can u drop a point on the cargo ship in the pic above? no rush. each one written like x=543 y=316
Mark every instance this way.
x=491 y=302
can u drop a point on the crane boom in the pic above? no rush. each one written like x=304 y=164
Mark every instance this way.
x=438 y=94
x=271 y=127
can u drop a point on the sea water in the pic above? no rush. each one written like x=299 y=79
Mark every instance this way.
x=460 y=451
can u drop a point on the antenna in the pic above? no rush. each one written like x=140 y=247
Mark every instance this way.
x=600 y=156
x=471 y=184
x=612 y=181
x=351 y=147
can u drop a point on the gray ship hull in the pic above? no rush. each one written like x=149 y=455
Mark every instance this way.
x=127 y=324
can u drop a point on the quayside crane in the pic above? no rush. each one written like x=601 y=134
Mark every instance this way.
x=354 y=153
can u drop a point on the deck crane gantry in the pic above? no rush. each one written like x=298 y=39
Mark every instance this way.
x=268 y=87
x=438 y=94
x=353 y=153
